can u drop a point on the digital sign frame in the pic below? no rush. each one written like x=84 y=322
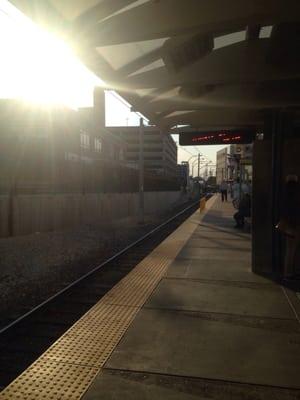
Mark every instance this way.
x=194 y=138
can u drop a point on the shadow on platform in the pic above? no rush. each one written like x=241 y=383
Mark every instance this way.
x=212 y=329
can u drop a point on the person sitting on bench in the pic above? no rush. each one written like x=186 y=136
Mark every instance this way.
x=244 y=211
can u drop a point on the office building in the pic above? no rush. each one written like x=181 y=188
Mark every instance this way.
x=160 y=151
x=222 y=165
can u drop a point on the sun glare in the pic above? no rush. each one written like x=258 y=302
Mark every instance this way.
x=39 y=67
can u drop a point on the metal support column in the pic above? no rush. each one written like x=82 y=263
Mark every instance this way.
x=267 y=189
x=141 y=172
x=277 y=144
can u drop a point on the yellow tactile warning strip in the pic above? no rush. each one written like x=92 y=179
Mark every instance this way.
x=136 y=287
x=51 y=380
x=68 y=367
x=92 y=339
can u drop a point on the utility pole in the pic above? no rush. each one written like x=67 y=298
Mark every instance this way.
x=141 y=172
x=193 y=168
x=199 y=188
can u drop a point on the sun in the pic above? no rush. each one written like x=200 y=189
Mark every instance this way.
x=40 y=67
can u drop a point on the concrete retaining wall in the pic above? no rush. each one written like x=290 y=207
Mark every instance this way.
x=41 y=213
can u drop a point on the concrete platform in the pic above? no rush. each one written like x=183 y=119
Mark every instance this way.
x=220 y=297
x=128 y=385
x=205 y=252
x=225 y=243
x=178 y=343
x=206 y=268
x=210 y=330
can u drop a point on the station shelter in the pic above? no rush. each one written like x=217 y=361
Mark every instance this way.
x=207 y=67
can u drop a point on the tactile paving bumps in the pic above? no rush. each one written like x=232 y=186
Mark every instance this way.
x=137 y=286
x=93 y=338
x=68 y=367
x=49 y=380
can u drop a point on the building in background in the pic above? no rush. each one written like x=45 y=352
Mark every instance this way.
x=240 y=161
x=222 y=165
x=160 y=151
x=234 y=161
x=95 y=140
x=53 y=146
x=57 y=149
x=183 y=171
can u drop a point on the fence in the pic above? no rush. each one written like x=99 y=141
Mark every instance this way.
x=28 y=213
x=66 y=177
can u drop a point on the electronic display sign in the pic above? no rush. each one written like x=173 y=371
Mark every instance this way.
x=216 y=137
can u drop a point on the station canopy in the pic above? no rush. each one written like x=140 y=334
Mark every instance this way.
x=211 y=64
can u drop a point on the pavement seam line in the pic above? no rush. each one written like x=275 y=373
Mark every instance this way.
x=290 y=304
x=82 y=351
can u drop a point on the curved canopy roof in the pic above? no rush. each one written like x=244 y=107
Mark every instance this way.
x=192 y=62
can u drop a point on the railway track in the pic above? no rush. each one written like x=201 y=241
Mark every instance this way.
x=26 y=338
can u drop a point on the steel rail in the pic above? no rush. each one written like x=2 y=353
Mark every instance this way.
x=107 y=261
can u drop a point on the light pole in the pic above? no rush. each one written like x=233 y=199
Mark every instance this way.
x=188 y=161
x=200 y=157
x=198 y=161
x=193 y=167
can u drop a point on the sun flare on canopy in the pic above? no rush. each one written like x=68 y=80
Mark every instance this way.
x=39 y=67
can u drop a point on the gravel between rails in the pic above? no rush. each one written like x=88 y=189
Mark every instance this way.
x=34 y=267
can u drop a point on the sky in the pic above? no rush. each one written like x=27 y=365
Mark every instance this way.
x=39 y=67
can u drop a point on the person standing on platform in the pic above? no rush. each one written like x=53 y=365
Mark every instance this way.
x=244 y=211
x=223 y=190
x=245 y=188
x=236 y=190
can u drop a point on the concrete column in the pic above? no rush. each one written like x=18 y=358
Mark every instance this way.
x=99 y=108
x=267 y=188
x=141 y=172
x=261 y=201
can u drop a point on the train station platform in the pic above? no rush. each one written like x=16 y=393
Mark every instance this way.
x=190 y=321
